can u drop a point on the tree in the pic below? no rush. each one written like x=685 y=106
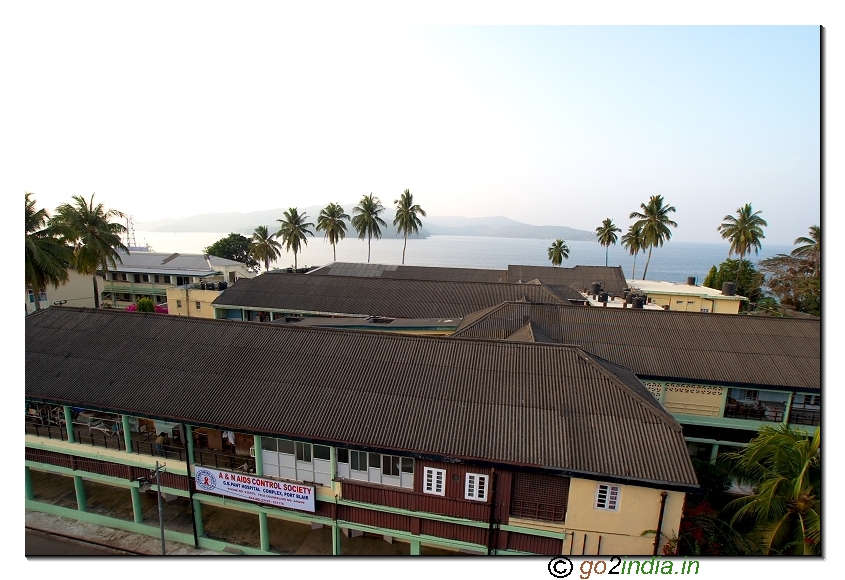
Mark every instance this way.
x=558 y=252
x=234 y=247
x=606 y=233
x=366 y=220
x=794 y=281
x=749 y=283
x=293 y=231
x=744 y=232
x=145 y=305
x=331 y=221
x=264 y=246
x=784 y=467
x=654 y=222
x=95 y=239
x=634 y=242
x=406 y=220
x=46 y=257
x=811 y=250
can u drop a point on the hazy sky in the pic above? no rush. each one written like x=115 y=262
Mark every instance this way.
x=232 y=108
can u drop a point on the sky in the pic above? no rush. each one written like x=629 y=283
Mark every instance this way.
x=189 y=111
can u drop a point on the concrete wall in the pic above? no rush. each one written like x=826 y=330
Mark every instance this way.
x=188 y=299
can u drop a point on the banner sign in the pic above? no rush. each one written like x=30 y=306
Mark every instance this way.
x=252 y=488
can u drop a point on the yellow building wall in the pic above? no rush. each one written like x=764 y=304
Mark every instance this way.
x=695 y=303
x=189 y=299
x=694 y=400
x=620 y=531
x=726 y=306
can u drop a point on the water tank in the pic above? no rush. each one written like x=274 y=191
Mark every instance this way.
x=728 y=288
x=595 y=288
x=629 y=298
x=690 y=280
x=603 y=297
x=222 y=285
x=638 y=302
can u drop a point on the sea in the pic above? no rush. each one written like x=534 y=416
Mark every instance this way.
x=673 y=262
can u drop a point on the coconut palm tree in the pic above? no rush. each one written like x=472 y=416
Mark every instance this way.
x=331 y=221
x=95 y=239
x=366 y=221
x=784 y=467
x=46 y=257
x=634 y=242
x=406 y=220
x=293 y=231
x=606 y=234
x=744 y=232
x=811 y=249
x=264 y=246
x=558 y=252
x=654 y=222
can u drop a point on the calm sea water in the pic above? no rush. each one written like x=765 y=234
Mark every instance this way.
x=674 y=262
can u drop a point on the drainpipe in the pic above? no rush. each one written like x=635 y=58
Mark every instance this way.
x=663 y=495
x=189 y=457
x=491 y=529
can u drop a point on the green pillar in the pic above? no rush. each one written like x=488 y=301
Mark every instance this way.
x=264 y=531
x=415 y=547
x=333 y=461
x=81 y=502
x=69 y=424
x=259 y=460
x=137 y=510
x=335 y=539
x=189 y=443
x=127 y=433
x=788 y=408
x=714 y=452
x=198 y=517
x=29 y=493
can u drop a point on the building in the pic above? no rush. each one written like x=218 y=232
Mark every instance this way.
x=689 y=297
x=480 y=446
x=721 y=376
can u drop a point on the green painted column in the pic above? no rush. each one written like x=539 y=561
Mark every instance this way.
x=788 y=408
x=189 y=444
x=28 y=485
x=333 y=461
x=137 y=509
x=69 y=424
x=335 y=540
x=714 y=451
x=259 y=460
x=198 y=517
x=263 y=526
x=127 y=433
x=415 y=547
x=79 y=486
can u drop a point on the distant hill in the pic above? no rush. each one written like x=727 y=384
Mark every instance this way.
x=245 y=223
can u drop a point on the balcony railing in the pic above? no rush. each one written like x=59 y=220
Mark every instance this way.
x=805 y=417
x=756 y=413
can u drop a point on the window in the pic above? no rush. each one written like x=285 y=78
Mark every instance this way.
x=123 y=277
x=607 y=497
x=476 y=487
x=433 y=481
x=137 y=278
x=114 y=275
x=343 y=456
x=358 y=460
x=390 y=465
x=749 y=394
x=679 y=301
x=31 y=295
x=167 y=280
x=303 y=452
x=198 y=305
x=178 y=304
x=705 y=310
x=540 y=497
x=690 y=301
x=145 y=277
x=322 y=452
x=156 y=278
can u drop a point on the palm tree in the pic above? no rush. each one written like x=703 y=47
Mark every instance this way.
x=293 y=232
x=264 y=246
x=654 y=222
x=744 y=232
x=558 y=252
x=406 y=220
x=634 y=242
x=46 y=258
x=784 y=467
x=94 y=238
x=331 y=221
x=366 y=221
x=606 y=234
x=812 y=248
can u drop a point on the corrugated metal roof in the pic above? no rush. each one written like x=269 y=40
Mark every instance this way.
x=703 y=348
x=504 y=402
x=397 y=272
x=376 y=296
x=169 y=262
x=611 y=278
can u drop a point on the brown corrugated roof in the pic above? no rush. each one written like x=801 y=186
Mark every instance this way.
x=398 y=272
x=579 y=278
x=704 y=348
x=511 y=403
x=376 y=296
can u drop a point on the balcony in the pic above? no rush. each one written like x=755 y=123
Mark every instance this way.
x=771 y=412
x=802 y=416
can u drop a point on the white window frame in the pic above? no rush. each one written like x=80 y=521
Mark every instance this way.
x=612 y=497
x=434 y=481
x=476 y=486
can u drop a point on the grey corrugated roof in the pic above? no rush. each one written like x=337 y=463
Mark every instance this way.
x=511 y=403
x=169 y=263
x=708 y=348
x=611 y=278
x=410 y=272
x=376 y=296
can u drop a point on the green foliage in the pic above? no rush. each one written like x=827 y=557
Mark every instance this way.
x=750 y=280
x=293 y=231
x=46 y=256
x=783 y=465
x=331 y=221
x=635 y=243
x=558 y=252
x=145 y=305
x=366 y=220
x=653 y=221
x=710 y=279
x=406 y=220
x=264 y=247
x=714 y=480
x=606 y=234
x=233 y=247
x=795 y=279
